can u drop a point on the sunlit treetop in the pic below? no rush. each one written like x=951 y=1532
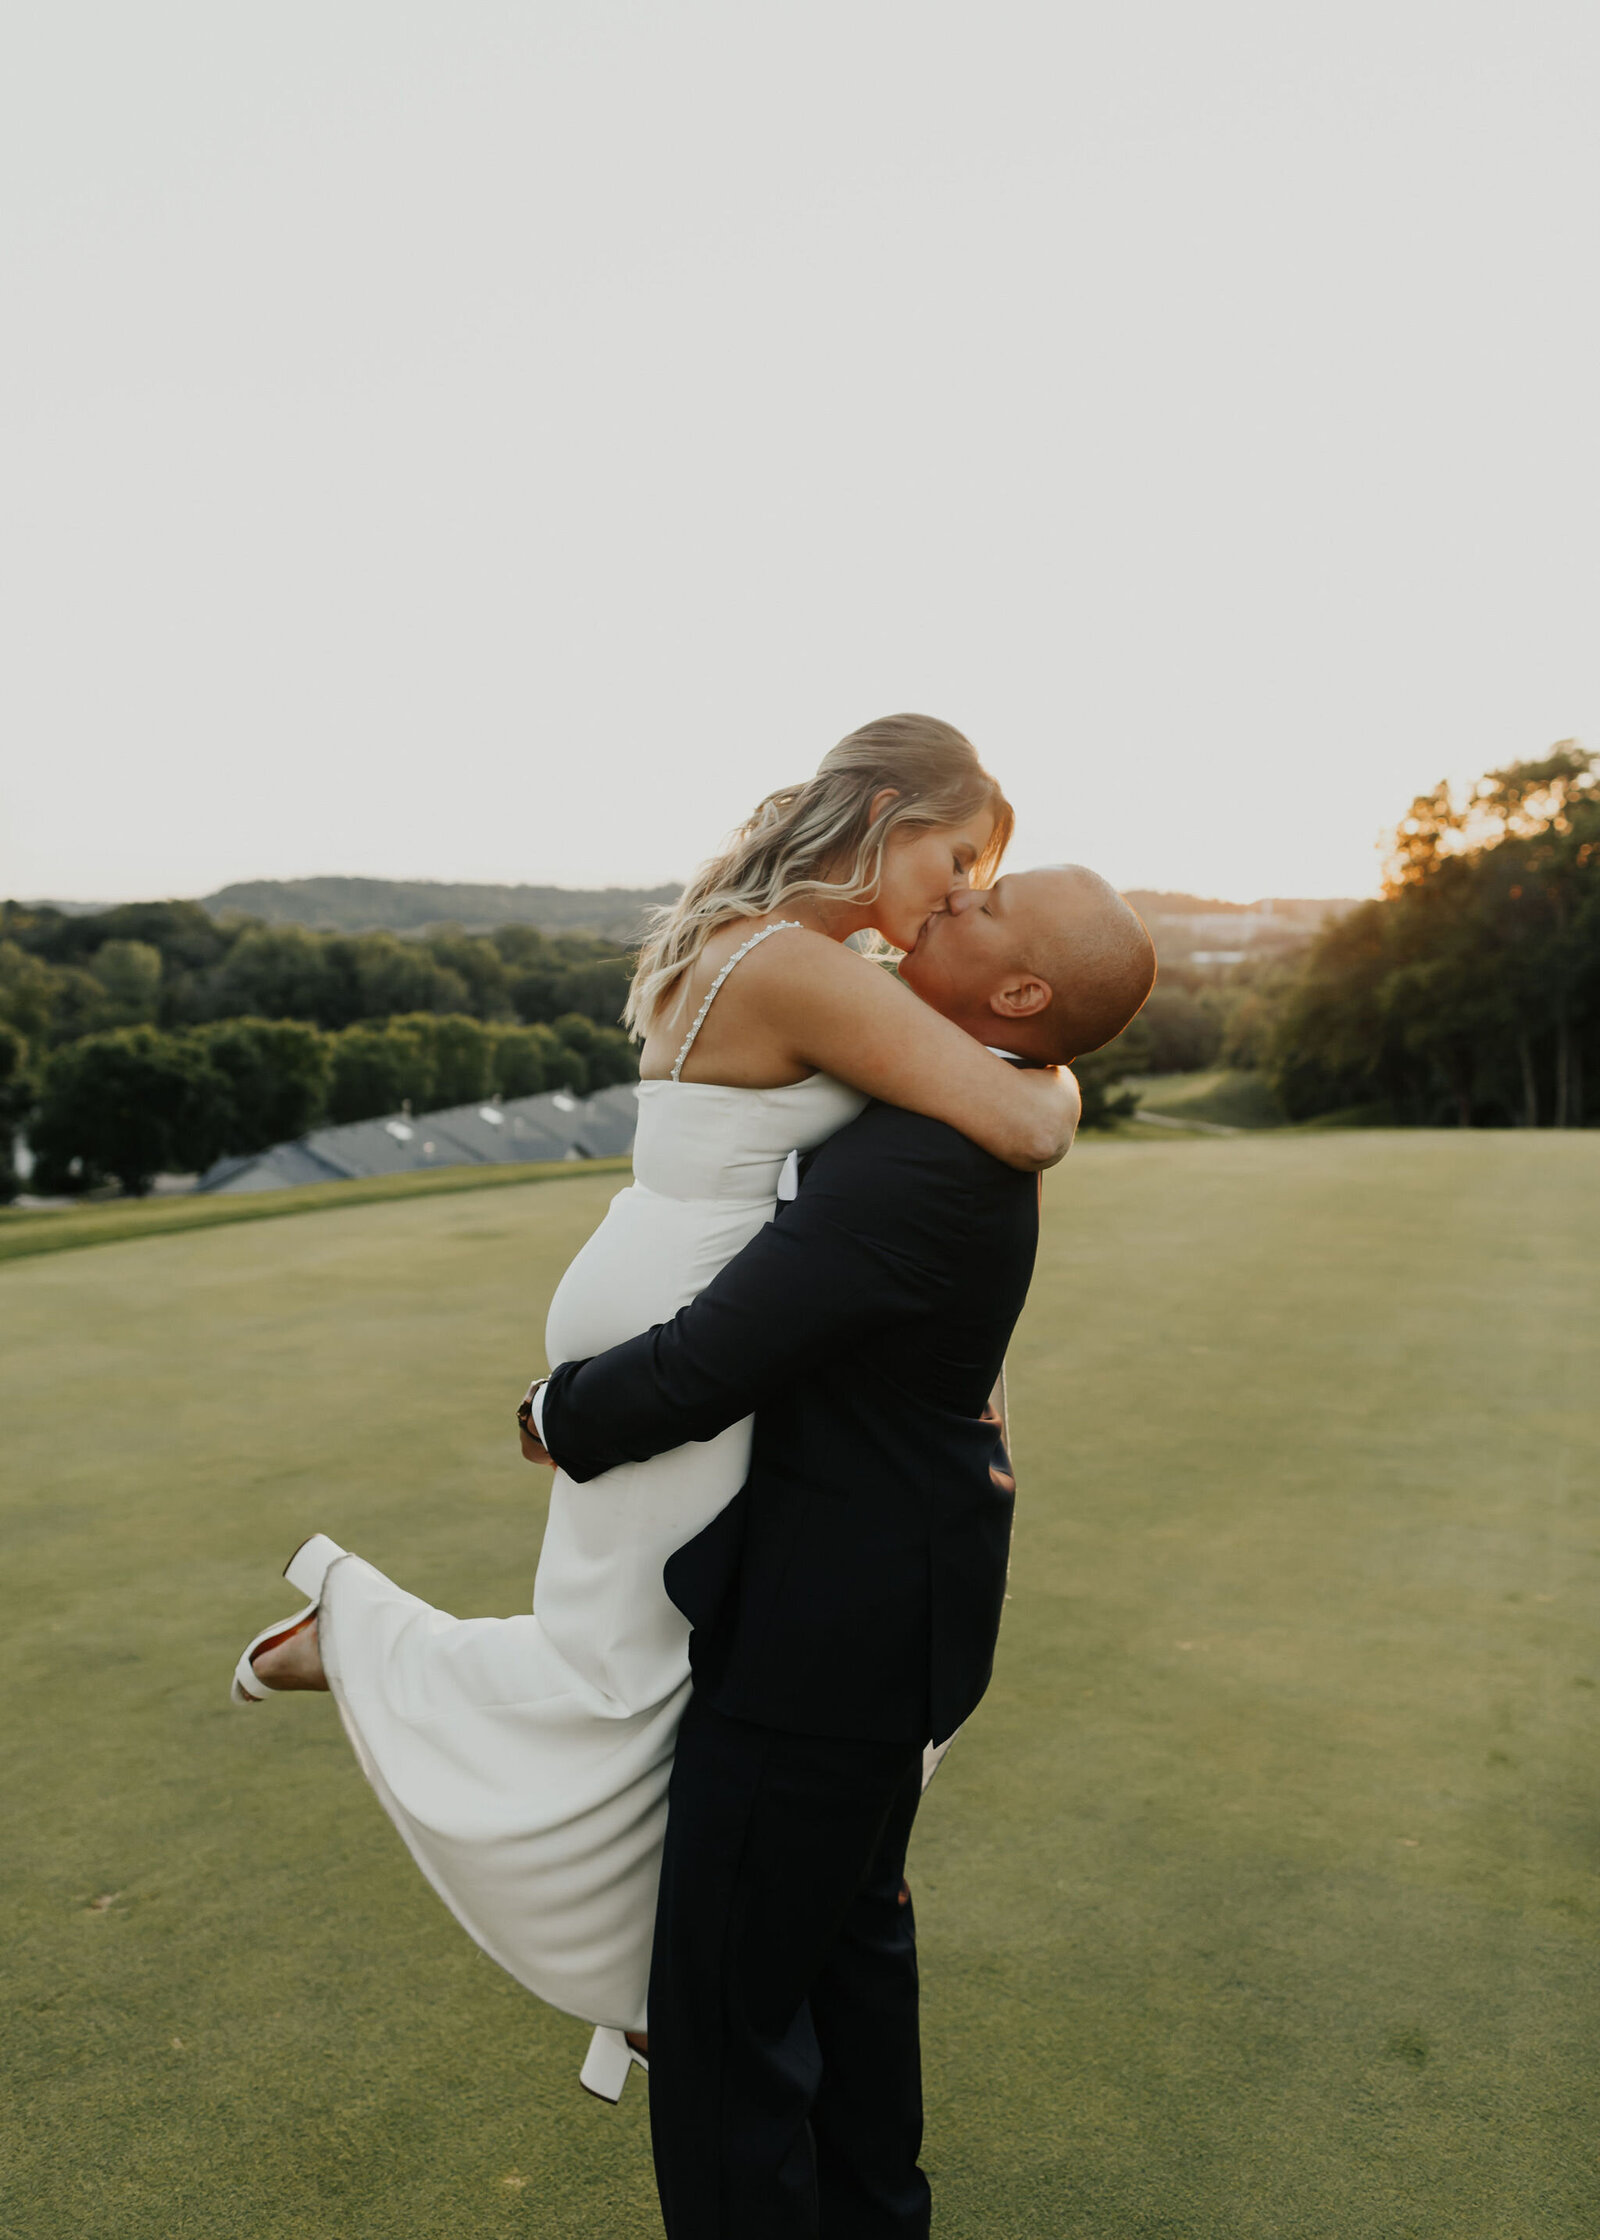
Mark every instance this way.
x=1557 y=797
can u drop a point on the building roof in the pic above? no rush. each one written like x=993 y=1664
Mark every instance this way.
x=555 y=1125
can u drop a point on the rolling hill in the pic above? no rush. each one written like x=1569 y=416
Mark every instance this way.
x=412 y=905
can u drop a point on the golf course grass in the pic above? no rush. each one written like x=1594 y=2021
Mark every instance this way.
x=1258 y=1902
x=25 y=1232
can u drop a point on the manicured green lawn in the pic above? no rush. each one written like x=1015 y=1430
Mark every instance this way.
x=27 y=1231
x=1259 y=1902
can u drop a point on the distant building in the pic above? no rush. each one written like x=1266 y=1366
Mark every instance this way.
x=1224 y=939
x=553 y=1126
x=1231 y=929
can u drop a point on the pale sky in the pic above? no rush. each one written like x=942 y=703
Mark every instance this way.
x=501 y=441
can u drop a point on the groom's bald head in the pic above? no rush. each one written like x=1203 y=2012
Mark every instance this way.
x=1048 y=964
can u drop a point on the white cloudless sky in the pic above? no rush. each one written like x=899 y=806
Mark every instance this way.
x=492 y=441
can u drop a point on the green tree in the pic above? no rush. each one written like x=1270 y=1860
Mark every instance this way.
x=462 y=1051
x=245 y=969
x=285 y=972
x=187 y=936
x=190 y=943
x=1177 y=1030
x=28 y=993
x=78 y=1004
x=548 y=976
x=1471 y=991
x=1251 y=1009
x=529 y=1060
x=130 y=973
x=1543 y=860
x=1099 y=1077
x=377 y=1069
x=1330 y=1044
x=50 y=1003
x=16 y=1101
x=396 y=976
x=598 y=989
x=129 y=1105
x=605 y=1053
x=480 y=968
x=277 y=1073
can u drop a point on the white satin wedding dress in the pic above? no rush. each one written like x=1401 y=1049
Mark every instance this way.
x=525 y=1760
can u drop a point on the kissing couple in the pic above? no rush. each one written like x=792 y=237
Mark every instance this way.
x=675 y=1798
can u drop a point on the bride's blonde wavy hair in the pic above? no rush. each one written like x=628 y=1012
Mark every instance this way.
x=821 y=838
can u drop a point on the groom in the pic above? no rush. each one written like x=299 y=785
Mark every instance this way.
x=845 y=1605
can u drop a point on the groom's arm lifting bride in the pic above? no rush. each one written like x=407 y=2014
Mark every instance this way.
x=845 y=1605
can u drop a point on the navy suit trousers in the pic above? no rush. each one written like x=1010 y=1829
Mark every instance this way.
x=785 y=2069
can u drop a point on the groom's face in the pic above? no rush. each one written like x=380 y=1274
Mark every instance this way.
x=969 y=959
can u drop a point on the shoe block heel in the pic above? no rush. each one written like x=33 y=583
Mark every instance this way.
x=606 y=2065
x=307 y=1568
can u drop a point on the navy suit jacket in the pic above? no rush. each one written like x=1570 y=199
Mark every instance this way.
x=854 y=1585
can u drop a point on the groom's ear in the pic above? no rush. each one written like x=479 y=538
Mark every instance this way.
x=1022 y=997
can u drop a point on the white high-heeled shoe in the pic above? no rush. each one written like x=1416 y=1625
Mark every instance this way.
x=606 y=2065
x=306 y=1569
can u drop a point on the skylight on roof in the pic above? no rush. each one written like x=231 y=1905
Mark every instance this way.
x=399 y=1130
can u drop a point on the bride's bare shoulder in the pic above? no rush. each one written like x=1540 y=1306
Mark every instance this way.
x=788 y=938
x=782 y=980
x=776 y=979
x=795 y=958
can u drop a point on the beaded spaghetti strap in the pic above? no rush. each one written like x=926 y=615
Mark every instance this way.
x=755 y=940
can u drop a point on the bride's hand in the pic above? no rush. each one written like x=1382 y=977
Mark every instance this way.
x=532 y=1451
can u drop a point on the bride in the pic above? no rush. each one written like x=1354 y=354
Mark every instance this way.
x=525 y=1760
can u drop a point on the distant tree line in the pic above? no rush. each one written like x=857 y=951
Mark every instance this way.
x=150 y=1039
x=168 y=964
x=1185 y=1025
x=1469 y=994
